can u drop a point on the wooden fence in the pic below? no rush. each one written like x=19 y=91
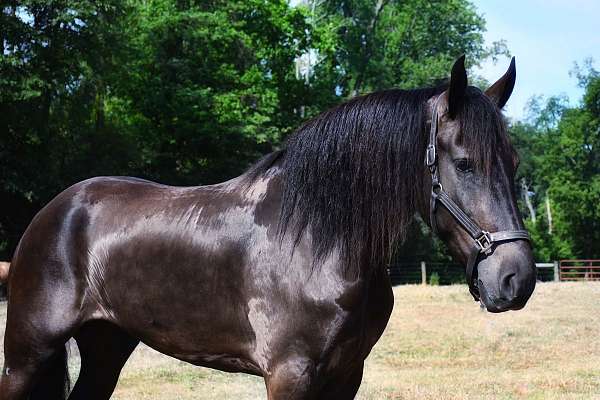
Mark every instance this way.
x=579 y=270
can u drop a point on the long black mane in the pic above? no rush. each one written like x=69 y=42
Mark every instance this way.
x=354 y=174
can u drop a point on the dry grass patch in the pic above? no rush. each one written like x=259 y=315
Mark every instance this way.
x=438 y=345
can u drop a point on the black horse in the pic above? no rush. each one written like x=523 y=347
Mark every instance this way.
x=279 y=272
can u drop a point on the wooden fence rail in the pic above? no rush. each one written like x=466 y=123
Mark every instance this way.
x=579 y=270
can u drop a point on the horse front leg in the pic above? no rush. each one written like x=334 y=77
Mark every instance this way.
x=344 y=387
x=292 y=379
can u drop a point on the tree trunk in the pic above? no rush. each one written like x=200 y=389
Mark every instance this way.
x=525 y=192
x=548 y=213
x=367 y=47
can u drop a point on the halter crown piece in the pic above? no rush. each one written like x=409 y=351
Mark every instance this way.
x=484 y=241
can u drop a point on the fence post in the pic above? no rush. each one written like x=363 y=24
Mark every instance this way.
x=423 y=273
x=556 y=272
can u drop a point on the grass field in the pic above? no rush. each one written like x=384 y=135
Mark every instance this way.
x=438 y=345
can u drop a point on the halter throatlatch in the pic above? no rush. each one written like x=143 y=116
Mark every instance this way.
x=484 y=241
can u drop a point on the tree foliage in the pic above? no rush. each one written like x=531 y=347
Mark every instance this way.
x=55 y=57
x=386 y=43
x=559 y=151
x=191 y=92
x=206 y=86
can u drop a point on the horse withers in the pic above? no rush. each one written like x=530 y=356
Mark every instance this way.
x=279 y=272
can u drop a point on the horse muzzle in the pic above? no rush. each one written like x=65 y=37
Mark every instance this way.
x=507 y=279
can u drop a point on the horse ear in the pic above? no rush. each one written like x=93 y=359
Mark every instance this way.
x=500 y=91
x=458 y=86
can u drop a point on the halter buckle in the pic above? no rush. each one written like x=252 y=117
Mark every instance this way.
x=485 y=242
x=430 y=156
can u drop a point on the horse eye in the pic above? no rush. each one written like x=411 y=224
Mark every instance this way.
x=464 y=165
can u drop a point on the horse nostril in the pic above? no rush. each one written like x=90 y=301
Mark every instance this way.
x=508 y=286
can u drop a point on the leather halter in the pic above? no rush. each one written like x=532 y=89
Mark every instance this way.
x=484 y=242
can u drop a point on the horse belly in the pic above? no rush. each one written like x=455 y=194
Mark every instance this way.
x=184 y=301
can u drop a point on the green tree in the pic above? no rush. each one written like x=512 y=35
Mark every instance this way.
x=209 y=87
x=376 y=45
x=562 y=169
x=54 y=54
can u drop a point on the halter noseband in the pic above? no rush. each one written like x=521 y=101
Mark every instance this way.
x=484 y=240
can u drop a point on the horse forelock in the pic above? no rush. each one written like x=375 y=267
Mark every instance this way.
x=483 y=131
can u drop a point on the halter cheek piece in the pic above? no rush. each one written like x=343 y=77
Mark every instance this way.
x=484 y=241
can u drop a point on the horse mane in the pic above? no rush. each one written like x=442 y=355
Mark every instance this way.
x=354 y=174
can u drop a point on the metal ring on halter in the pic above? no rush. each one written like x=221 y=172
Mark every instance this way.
x=485 y=243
